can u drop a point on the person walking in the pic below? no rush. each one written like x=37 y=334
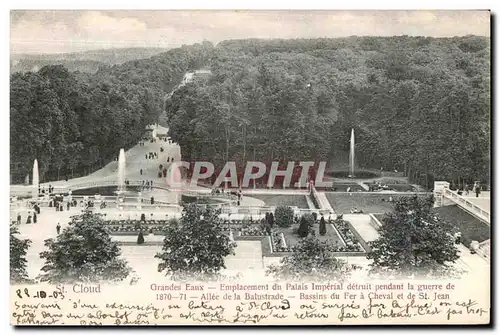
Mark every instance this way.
x=18 y=218
x=34 y=217
x=58 y=228
x=28 y=220
x=141 y=172
x=67 y=205
x=478 y=191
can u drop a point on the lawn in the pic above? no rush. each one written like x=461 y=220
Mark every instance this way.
x=342 y=187
x=282 y=199
x=292 y=238
x=472 y=229
x=367 y=202
x=397 y=187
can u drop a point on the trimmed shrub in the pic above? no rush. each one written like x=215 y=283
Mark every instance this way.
x=140 y=238
x=283 y=216
x=322 y=226
x=303 y=230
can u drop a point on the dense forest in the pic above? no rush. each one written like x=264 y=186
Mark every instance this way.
x=75 y=122
x=86 y=61
x=417 y=104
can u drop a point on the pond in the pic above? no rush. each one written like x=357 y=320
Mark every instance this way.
x=358 y=174
x=205 y=201
x=106 y=191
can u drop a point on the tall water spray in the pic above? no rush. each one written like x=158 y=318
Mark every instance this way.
x=121 y=171
x=351 y=155
x=36 y=180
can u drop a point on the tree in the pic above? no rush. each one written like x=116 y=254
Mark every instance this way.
x=83 y=252
x=283 y=216
x=310 y=260
x=18 y=261
x=195 y=246
x=270 y=219
x=413 y=241
x=322 y=226
x=140 y=238
x=306 y=223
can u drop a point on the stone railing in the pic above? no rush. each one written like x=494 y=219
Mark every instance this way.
x=374 y=222
x=466 y=204
x=484 y=249
x=316 y=199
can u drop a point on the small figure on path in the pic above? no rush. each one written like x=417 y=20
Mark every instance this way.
x=478 y=191
x=34 y=217
x=152 y=200
x=141 y=172
x=28 y=220
x=67 y=205
x=58 y=228
x=18 y=218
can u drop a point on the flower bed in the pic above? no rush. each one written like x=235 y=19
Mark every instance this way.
x=351 y=241
x=136 y=222
x=129 y=228
x=254 y=230
x=278 y=242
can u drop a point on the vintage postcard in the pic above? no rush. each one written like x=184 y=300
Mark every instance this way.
x=285 y=167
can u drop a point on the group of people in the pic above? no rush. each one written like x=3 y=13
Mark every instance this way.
x=221 y=191
x=162 y=171
x=31 y=218
x=466 y=189
x=151 y=155
x=147 y=184
x=42 y=190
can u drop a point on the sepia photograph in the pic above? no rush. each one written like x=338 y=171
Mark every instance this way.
x=250 y=167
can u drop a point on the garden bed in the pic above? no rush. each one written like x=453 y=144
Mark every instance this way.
x=342 y=187
x=396 y=187
x=342 y=203
x=297 y=200
x=292 y=238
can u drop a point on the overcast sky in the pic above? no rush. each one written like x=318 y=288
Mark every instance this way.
x=70 y=31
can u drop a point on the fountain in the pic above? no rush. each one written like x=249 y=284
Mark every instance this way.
x=121 y=172
x=35 y=181
x=351 y=156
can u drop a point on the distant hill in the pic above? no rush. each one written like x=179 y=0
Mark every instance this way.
x=86 y=61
